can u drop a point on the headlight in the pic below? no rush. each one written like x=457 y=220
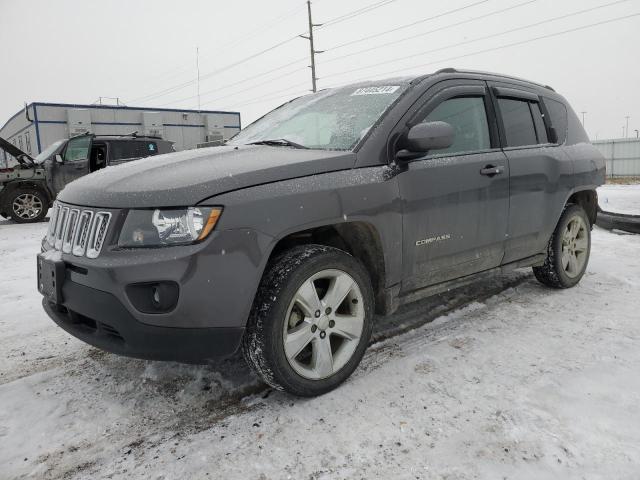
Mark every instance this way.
x=168 y=226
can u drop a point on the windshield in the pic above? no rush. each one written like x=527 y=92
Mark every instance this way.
x=46 y=153
x=333 y=119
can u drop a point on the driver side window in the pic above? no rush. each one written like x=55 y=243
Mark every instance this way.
x=77 y=149
x=468 y=117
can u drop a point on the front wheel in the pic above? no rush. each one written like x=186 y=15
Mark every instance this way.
x=568 y=250
x=27 y=205
x=311 y=321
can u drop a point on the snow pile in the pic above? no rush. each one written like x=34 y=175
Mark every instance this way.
x=530 y=383
x=620 y=199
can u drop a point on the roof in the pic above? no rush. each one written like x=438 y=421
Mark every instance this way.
x=491 y=74
x=114 y=107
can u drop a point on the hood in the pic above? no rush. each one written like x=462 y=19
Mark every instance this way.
x=188 y=177
x=22 y=157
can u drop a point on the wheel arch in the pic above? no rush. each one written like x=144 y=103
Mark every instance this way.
x=358 y=238
x=35 y=184
x=588 y=199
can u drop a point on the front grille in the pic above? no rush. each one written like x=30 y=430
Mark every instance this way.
x=79 y=231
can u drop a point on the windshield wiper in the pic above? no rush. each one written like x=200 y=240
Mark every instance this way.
x=278 y=142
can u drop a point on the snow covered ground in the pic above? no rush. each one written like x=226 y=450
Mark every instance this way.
x=509 y=380
x=620 y=198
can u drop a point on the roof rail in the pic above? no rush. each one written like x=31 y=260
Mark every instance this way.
x=511 y=77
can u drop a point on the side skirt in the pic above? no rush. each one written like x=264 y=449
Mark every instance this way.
x=393 y=300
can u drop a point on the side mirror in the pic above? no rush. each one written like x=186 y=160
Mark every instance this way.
x=59 y=158
x=430 y=136
x=424 y=137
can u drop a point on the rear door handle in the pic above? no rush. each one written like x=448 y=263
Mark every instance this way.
x=492 y=170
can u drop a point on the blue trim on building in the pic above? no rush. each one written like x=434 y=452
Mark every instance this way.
x=62 y=122
x=117 y=107
x=35 y=120
x=122 y=107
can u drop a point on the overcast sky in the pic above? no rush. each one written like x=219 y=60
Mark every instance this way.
x=144 y=52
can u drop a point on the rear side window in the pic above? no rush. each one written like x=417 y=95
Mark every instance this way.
x=132 y=149
x=468 y=118
x=558 y=113
x=518 y=122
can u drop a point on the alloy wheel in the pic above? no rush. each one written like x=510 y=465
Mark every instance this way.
x=324 y=323
x=27 y=206
x=575 y=246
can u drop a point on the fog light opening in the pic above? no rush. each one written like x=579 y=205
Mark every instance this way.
x=156 y=297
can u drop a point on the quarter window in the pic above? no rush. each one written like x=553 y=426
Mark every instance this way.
x=558 y=113
x=468 y=117
x=518 y=122
x=541 y=130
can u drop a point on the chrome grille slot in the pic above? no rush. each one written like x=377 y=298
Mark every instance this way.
x=60 y=227
x=98 y=233
x=70 y=230
x=52 y=222
x=82 y=233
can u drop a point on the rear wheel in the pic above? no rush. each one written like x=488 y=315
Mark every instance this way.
x=311 y=321
x=568 y=250
x=27 y=205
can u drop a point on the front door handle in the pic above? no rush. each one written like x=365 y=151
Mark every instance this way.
x=492 y=170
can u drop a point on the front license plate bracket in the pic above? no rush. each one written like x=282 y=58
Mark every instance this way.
x=51 y=275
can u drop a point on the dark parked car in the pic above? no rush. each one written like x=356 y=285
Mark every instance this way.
x=333 y=206
x=28 y=189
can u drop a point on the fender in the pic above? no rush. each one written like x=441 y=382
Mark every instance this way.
x=277 y=210
x=37 y=184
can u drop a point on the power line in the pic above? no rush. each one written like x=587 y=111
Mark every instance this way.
x=268 y=25
x=486 y=37
x=266 y=97
x=358 y=12
x=215 y=72
x=286 y=74
x=500 y=47
x=402 y=27
x=180 y=86
x=244 y=80
x=422 y=34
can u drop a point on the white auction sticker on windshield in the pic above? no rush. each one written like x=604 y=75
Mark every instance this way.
x=382 y=90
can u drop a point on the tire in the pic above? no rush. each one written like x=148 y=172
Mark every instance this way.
x=317 y=351
x=568 y=250
x=27 y=205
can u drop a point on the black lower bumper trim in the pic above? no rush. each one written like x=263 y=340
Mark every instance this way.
x=99 y=319
x=618 y=221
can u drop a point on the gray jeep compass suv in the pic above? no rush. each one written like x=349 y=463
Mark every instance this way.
x=336 y=205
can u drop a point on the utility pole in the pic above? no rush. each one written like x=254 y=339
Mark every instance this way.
x=583 y=113
x=198 y=70
x=627 y=130
x=311 y=47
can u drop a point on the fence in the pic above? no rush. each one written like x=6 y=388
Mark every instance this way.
x=622 y=155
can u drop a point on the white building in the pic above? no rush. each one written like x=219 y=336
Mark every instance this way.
x=40 y=124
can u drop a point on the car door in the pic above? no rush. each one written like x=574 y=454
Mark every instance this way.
x=540 y=172
x=455 y=200
x=75 y=161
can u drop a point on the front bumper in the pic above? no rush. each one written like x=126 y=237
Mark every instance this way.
x=99 y=319
x=214 y=283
